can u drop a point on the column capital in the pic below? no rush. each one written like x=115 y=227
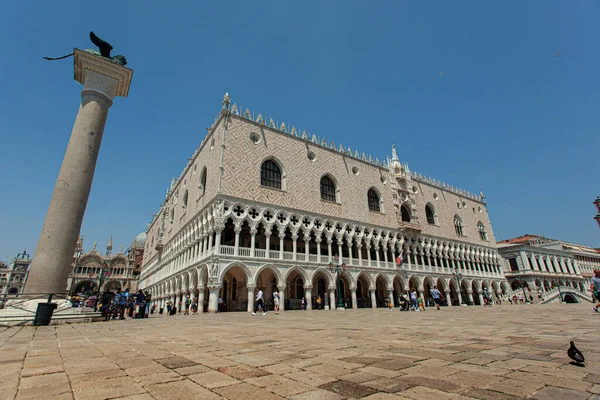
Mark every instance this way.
x=331 y=288
x=98 y=74
x=237 y=229
x=214 y=286
x=251 y=286
x=308 y=287
x=281 y=287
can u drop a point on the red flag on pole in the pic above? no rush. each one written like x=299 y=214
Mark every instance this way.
x=400 y=260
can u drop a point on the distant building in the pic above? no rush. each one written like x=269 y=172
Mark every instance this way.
x=542 y=265
x=14 y=276
x=108 y=271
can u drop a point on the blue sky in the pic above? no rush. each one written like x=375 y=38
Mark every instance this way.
x=506 y=117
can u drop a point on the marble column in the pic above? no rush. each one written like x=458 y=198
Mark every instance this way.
x=250 y=297
x=294 y=246
x=103 y=80
x=448 y=298
x=353 y=294
x=480 y=294
x=308 y=296
x=213 y=297
x=470 y=293
x=359 y=247
x=236 y=245
x=267 y=244
x=201 y=299
x=332 y=304
x=281 y=297
x=373 y=298
x=252 y=242
x=281 y=237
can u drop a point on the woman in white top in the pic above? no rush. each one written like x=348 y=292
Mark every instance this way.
x=276 y=301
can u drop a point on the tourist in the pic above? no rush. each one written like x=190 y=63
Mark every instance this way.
x=304 y=304
x=148 y=298
x=437 y=297
x=169 y=306
x=259 y=303
x=220 y=306
x=515 y=298
x=188 y=302
x=595 y=288
x=276 y=301
x=123 y=303
x=413 y=300
x=194 y=307
x=404 y=302
x=319 y=302
x=520 y=299
x=131 y=307
x=421 y=304
x=389 y=303
x=140 y=304
x=107 y=298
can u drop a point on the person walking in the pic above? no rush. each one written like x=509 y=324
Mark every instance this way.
x=595 y=288
x=148 y=298
x=413 y=300
x=194 y=307
x=260 y=303
x=140 y=304
x=187 y=306
x=123 y=303
x=319 y=302
x=169 y=305
x=437 y=297
x=276 y=302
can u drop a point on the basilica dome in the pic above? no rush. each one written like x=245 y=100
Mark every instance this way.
x=140 y=241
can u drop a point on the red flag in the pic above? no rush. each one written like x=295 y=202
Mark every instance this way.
x=400 y=260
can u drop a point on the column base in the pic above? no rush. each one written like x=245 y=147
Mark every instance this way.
x=341 y=308
x=326 y=308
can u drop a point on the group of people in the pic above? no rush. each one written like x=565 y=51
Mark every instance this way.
x=411 y=301
x=114 y=305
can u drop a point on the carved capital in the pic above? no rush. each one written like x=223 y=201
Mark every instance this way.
x=214 y=286
x=251 y=286
x=281 y=287
x=308 y=287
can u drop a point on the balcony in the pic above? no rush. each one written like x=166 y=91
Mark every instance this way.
x=403 y=225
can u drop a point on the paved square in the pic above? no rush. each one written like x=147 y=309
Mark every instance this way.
x=505 y=352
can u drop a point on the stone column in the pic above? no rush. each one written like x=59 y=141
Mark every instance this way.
x=213 y=297
x=236 y=248
x=218 y=241
x=368 y=255
x=281 y=236
x=267 y=244
x=201 y=299
x=350 y=246
x=103 y=80
x=353 y=294
x=377 y=256
x=250 y=297
x=373 y=298
x=318 y=240
x=210 y=243
x=448 y=298
x=252 y=242
x=307 y=249
x=281 y=297
x=308 y=296
x=480 y=294
x=294 y=246
x=329 y=241
x=359 y=247
x=332 y=304
x=470 y=293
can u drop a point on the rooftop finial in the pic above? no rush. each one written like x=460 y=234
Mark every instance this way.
x=226 y=101
x=109 y=247
x=394 y=154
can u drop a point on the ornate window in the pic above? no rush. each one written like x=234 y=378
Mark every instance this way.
x=405 y=213
x=327 y=189
x=482 y=232
x=458 y=227
x=202 y=185
x=374 y=202
x=270 y=174
x=172 y=215
x=430 y=214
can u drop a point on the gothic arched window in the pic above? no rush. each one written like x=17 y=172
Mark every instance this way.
x=374 y=201
x=481 y=230
x=458 y=225
x=203 y=181
x=430 y=214
x=270 y=174
x=327 y=189
x=185 y=199
x=405 y=213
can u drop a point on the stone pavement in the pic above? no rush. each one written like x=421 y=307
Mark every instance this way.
x=505 y=352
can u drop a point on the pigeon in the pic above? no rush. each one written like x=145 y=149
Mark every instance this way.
x=440 y=75
x=557 y=53
x=575 y=355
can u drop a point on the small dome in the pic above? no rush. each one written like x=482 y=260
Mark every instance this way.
x=140 y=241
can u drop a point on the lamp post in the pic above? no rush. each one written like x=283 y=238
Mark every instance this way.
x=597 y=204
x=338 y=268
x=458 y=276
